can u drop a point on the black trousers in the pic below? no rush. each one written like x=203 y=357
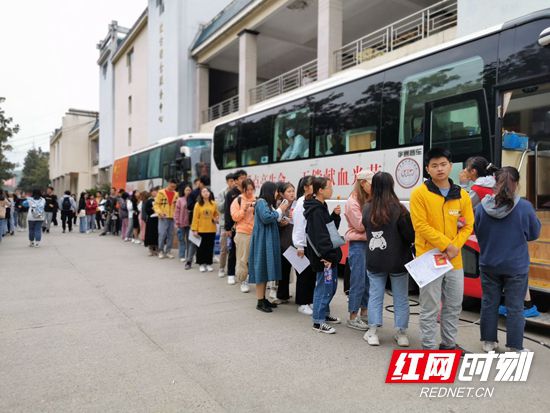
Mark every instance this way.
x=305 y=285
x=283 y=285
x=205 y=252
x=232 y=256
x=67 y=218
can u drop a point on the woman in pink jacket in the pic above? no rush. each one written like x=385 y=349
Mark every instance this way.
x=357 y=256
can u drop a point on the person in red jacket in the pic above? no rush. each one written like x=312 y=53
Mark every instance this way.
x=479 y=171
x=91 y=209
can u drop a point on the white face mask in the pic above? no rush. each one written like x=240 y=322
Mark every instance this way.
x=290 y=133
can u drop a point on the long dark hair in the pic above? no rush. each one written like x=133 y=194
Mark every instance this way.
x=481 y=165
x=36 y=193
x=383 y=199
x=304 y=181
x=201 y=199
x=319 y=182
x=505 y=189
x=268 y=192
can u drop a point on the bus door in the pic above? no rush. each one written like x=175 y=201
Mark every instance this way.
x=461 y=124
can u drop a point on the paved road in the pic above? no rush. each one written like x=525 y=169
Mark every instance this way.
x=89 y=323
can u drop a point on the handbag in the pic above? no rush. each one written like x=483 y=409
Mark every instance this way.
x=335 y=238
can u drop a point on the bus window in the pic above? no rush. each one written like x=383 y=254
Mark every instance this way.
x=363 y=139
x=434 y=84
x=133 y=168
x=457 y=127
x=142 y=161
x=291 y=134
x=153 y=167
x=229 y=145
x=253 y=147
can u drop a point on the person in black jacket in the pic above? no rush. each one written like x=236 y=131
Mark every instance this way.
x=390 y=234
x=238 y=178
x=324 y=258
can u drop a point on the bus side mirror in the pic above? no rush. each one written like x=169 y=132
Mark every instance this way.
x=544 y=37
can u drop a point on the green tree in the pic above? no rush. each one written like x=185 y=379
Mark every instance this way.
x=6 y=132
x=36 y=171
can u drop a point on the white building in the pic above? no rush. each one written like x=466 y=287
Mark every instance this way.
x=159 y=100
x=70 y=148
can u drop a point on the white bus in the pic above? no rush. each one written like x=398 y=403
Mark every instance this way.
x=461 y=95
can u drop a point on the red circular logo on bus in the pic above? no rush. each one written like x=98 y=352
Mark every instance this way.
x=407 y=173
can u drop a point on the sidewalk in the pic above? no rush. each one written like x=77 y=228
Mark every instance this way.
x=90 y=323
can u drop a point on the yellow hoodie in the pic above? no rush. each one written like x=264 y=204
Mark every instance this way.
x=435 y=219
x=163 y=206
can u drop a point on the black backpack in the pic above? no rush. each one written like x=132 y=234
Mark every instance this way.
x=66 y=204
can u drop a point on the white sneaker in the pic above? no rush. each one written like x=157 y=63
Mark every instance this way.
x=305 y=309
x=221 y=273
x=231 y=279
x=126 y=239
x=515 y=350
x=489 y=346
x=31 y=244
x=36 y=244
x=161 y=255
x=170 y=256
x=357 y=324
x=136 y=241
x=183 y=260
x=202 y=268
x=244 y=287
x=209 y=268
x=371 y=337
x=401 y=338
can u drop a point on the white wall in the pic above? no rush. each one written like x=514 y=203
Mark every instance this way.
x=137 y=89
x=180 y=22
x=475 y=15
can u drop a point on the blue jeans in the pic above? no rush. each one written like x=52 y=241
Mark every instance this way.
x=90 y=222
x=166 y=235
x=514 y=287
x=35 y=231
x=359 y=280
x=322 y=296
x=183 y=239
x=400 y=292
x=3 y=223
x=83 y=224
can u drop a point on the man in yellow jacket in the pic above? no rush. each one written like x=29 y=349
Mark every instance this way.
x=165 y=207
x=436 y=208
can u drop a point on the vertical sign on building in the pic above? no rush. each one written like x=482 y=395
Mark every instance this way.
x=161 y=72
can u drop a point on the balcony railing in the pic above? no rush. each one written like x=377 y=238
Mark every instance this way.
x=291 y=80
x=417 y=26
x=221 y=109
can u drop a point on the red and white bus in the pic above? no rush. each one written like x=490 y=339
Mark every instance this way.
x=184 y=158
x=460 y=95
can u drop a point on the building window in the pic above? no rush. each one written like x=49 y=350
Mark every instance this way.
x=129 y=61
x=160 y=5
x=129 y=105
x=129 y=136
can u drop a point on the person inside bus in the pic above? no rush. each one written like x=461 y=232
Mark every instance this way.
x=436 y=207
x=505 y=223
x=298 y=146
x=337 y=145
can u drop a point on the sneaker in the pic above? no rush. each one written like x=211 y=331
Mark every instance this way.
x=221 y=273
x=202 y=268
x=531 y=312
x=244 y=287
x=357 y=324
x=31 y=244
x=187 y=266
x=324 y=328
x=170 y=256
x=231 y=279
x=332 y=320
x=209 y=268
x=456 y=347
x=305 y=309
x=161 y=255
x=401 y=338
x=489 y=346
x=262 y=306
x=515 y=350
x=182 y=260
x=270 y=304
x=126 y=239
x=151 y=253
x=137 y=242
x=371 y=337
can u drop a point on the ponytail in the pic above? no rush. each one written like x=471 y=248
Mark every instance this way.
x=481 y=166
x=319 y=182
x=506 y=186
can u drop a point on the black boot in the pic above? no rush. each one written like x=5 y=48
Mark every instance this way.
x=263 y=307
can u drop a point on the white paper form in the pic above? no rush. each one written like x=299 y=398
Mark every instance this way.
x=423 y=269
x=195 y=239
x=298 y=263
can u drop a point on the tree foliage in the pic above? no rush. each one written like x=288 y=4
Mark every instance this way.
x=36 y=171
x=7 y=130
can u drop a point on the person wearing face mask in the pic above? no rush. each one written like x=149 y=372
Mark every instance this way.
x=298 y=146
